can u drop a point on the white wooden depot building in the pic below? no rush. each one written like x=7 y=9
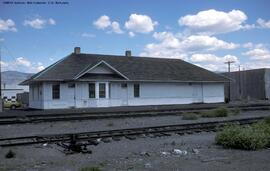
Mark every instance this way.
x=93 y=80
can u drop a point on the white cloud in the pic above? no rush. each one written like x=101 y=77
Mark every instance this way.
x=104 y=22
x=193 y=48
x=256 y=65
x=195 y=42
x=214 y=22
x=250 y=45
x=204 y=58
x=140 y=23
x=3 y=64
x=212 y=58
x=177 y=46
x=51 y=21
x=7 y=25
x=88 y=35
x=39 y=23
x=131 y=34
x=263 y=24
x=23 y=62
x=23 y=65
x=258 y=54
x=39 y=67
x=213 y=62
x=116 y=27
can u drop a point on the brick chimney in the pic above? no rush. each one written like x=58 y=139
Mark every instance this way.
x=128 y=52
x=77 y=50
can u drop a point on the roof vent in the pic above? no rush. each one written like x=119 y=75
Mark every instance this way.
x=128 y=52
x=77 y=50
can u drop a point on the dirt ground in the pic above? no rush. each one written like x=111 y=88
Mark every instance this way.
x=107 y=124
x=154 y=154
x=146 y=153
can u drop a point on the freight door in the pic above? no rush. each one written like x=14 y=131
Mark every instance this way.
x=71 y=95
x=197 y=94
x=124 y=94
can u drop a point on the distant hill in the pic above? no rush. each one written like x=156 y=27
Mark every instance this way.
x=11 y=79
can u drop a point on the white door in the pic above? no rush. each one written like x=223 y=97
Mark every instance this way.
x=124 y=94
x=71 y=95
x=197 y=94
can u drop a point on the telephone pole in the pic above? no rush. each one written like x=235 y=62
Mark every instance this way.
x=229 y=71
x=1 y=102
x=240 y=88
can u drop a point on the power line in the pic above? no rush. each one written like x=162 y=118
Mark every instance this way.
x=229 y=65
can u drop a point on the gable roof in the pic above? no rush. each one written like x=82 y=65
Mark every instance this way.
x=95 y=66
x=131 y=68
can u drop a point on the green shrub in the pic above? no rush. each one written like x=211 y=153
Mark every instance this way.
x=253 y=137
x=189 y=116
x=235 y=111
x=94 y=168
x=110 y=124
x=10 y=154
x=267 y=120
x=218 y=112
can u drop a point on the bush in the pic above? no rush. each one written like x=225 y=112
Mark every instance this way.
x=110 y=124
x=10 y=154
x=90 y=169
x=218 y=112
x=267 y=120
x=235 y=111
x=253 y=137
x=189 y=116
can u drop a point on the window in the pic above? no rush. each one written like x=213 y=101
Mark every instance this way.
x=109 y=93
x=136 y=90
x=71 y=85
x=124 y=85
x=102 y=90
x=37 y=92
x=56 y=91
x=33 y=92
x=92 y=90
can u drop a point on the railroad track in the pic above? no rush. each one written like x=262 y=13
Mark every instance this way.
x=36 y=118
x=93 y=138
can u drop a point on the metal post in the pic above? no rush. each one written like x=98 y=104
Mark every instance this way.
x=1 y=102
x=240 y=88
x=229 y=71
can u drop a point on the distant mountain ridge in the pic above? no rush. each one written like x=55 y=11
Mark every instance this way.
x=11 y=79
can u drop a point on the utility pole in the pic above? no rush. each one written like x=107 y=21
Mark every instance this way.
x=229 y=71
x=1 y=101
x=240 y=89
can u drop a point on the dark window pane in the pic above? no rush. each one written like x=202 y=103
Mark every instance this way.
x=136 y=90
x=92 y=90
x=56 y=91
x=102 y=90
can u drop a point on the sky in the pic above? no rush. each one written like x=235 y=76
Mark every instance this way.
x=205 y=33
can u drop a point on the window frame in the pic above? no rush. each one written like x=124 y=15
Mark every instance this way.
x=99 y=90
x=94 y=92
x=54 y=95
x=136 y=90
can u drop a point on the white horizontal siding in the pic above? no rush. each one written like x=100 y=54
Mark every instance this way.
x=150 y=94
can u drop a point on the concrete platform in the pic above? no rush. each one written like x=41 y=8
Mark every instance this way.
x=22 y=112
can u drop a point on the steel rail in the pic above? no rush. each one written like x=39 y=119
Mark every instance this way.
x=84 y=116
x=82 y=136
